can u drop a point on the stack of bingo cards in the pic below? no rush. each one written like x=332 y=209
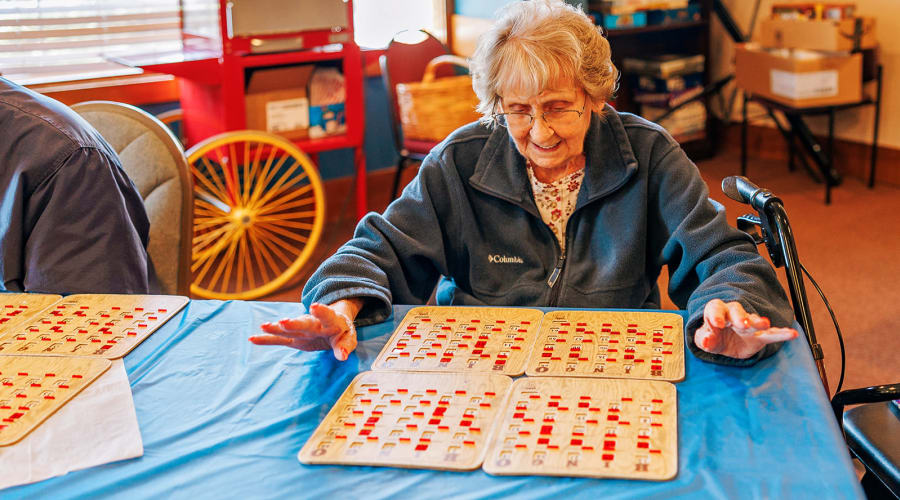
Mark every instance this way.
x=597 y=400
x=52 y=347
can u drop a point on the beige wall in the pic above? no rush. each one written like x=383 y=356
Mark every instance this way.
x=854 y=125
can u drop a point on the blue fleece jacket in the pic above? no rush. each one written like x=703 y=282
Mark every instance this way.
x=469 y=222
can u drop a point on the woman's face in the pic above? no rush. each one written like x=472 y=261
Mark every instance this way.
x=552 y=140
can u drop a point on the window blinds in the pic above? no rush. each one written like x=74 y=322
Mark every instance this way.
x=44 y=41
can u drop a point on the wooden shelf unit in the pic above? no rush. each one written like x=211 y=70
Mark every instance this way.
x=678 y=38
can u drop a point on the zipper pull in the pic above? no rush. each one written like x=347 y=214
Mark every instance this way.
x=556 y=271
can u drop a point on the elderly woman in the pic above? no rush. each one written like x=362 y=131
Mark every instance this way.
x=552 y=199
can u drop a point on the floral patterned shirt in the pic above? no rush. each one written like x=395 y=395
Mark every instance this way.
x=556 y=201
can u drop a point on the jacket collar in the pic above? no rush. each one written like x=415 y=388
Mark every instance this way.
x=500 y=170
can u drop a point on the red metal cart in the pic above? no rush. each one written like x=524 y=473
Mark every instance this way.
x=251 y=225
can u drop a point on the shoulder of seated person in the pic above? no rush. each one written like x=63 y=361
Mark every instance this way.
x=51 y=125
x=641 y=130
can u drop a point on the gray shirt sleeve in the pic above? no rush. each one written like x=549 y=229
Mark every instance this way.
x=85 y=230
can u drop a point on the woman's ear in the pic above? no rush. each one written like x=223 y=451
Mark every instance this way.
x=597 y=106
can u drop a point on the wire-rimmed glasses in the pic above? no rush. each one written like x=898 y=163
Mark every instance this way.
x=552 y=117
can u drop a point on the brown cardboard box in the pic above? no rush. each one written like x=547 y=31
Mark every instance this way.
x=817 y=35
x=799 y=78
x=277 y=101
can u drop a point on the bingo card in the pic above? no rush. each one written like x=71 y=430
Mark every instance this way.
x=609 y=344
x=462 y=339
x=33 y=387
x=17 y=307
x=414 y=420
x=587 y=427
x=103 y=325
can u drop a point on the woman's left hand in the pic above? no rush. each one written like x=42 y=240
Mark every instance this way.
x=731 y=331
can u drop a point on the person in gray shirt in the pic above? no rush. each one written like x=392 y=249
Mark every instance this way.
x=71 y=221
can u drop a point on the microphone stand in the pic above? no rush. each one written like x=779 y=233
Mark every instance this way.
x=779 y=240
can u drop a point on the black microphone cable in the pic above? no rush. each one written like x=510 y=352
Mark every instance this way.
x=745 y=191
x=837 y=327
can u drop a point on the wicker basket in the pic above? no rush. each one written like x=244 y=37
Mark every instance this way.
x=432 y=108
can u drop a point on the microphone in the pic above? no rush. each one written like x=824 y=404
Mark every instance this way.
x=779 y=240
x=741 y=189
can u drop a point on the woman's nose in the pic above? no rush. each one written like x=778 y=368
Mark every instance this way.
x=540 y=129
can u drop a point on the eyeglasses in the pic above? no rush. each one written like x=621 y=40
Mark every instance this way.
x=553 y=118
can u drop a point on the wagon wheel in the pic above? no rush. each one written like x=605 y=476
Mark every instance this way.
x=259 y=209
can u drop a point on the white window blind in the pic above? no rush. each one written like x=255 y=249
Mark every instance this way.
x=43 y=41
x=49 y=41
x=377 y=21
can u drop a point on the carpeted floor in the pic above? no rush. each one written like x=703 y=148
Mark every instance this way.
x=851 y=248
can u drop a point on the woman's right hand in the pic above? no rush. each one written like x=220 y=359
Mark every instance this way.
x=325 y=327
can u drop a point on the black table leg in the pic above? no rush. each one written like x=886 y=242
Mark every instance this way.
x=744 y=136
x=830 y=154
x=875 y=132
x=792 y=149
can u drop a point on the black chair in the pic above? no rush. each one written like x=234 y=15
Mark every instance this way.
x=872 y=432
x=404 y=61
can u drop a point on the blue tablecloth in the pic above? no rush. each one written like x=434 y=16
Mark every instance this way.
x=222 y=418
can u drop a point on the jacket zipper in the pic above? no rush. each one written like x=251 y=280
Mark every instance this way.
x=560 y=265
x=554 y=277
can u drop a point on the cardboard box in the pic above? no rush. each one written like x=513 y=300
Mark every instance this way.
x=812 y=10
x=799 y=78
x=277 y=101
x=818 y=35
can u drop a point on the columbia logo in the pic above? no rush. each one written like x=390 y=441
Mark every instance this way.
x=504 y=259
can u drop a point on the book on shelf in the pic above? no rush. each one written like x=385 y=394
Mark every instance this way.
x=665 y=65
x=688 y=120
x=619 y=7
x=667 y=99
x=647 y=83
x=665 y=4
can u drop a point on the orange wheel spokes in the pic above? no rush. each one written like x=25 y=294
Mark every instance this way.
x=258 y=214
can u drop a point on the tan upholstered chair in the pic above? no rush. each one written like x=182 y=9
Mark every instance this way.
x=154 y=160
